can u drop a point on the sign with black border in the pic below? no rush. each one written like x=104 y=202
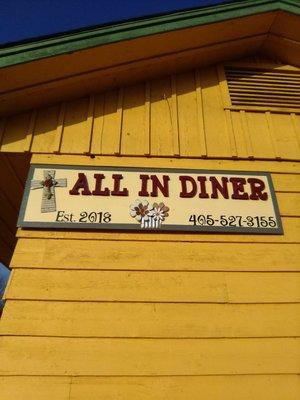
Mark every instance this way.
x=149 y=199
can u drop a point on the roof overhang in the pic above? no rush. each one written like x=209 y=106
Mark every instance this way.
x=56 y=69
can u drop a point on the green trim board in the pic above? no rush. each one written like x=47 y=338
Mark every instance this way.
x=36 y=50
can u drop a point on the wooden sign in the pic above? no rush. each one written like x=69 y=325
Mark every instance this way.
x=147 y=199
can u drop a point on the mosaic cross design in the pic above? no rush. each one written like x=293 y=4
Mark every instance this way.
x=48 y=185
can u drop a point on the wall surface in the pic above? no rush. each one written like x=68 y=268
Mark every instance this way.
x=109 y=315
x=187 y=115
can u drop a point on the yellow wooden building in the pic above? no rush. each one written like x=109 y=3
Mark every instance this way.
x=143 y=315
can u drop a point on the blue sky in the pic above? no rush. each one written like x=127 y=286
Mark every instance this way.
x=22 y=20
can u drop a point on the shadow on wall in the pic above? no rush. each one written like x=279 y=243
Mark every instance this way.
x=13 y=173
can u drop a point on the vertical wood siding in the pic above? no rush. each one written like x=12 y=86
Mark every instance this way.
x=185 y=115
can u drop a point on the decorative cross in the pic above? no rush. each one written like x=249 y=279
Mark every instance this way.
x=48 y=185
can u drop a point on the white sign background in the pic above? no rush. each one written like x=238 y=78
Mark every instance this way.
x=184 y=214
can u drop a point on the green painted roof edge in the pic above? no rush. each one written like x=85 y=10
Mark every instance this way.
x=69 y=43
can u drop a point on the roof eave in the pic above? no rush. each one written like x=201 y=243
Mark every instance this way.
x=86 y=39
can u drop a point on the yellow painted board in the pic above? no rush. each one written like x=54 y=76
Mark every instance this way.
x=117 y=286
x=289 y=204
x=296 y=125
x=111 y=124
x=233 y=387
x=285 y=138
x=15 y=137
x=110 y=357
x=91 y=319
x=229 y=387
x=34 y=388
x=97 y=131
x=291 y=227
x=60 y=127
x=200 y=117
x=230 y=134
x=133 y=130
x=44 y=139
x=91 y=254
x=189 y=134
x=217 y=139
x=161 y=119
x=146 y=286
x=75 y=137
x=281 y=167
x=286 y=182
x=265 y=287
x=260 y=136
x=247 y=134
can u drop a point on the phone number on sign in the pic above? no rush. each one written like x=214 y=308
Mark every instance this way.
x=233 y=221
